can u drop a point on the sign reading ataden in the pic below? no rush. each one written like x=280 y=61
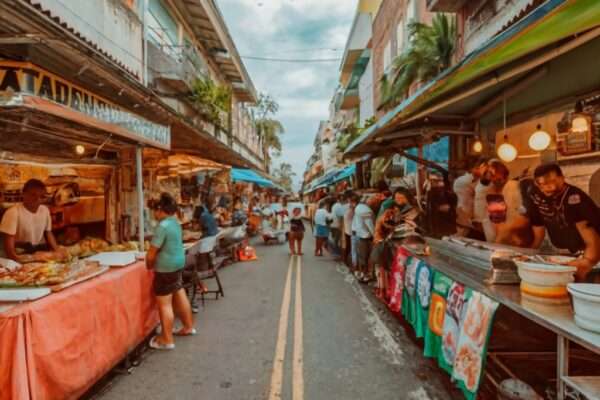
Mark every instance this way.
x=27 y=78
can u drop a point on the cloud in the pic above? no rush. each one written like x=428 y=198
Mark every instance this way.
x=299 y=30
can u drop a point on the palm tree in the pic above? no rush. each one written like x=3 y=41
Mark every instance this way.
x=268 y=129
x=429 y=52
x=283 y=175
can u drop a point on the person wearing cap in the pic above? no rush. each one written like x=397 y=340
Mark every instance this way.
x=570 y=217
x=28 y=225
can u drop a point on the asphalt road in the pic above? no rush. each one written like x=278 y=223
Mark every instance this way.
x=338 y=343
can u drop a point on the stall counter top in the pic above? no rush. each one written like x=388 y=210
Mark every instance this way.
x=557 y=318
x=80 y=332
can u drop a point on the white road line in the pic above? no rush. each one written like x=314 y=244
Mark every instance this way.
x=298 y=363
x=277 y=376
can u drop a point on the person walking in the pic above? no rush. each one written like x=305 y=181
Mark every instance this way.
x=363 y=229
x=296 y=232
x=337 y=213
x=322 y=221
x=166 y=257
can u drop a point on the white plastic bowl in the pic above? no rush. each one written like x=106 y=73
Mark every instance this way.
x=545 y=274
x=586 y=302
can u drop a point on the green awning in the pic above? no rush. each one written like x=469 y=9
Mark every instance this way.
x=550 y=23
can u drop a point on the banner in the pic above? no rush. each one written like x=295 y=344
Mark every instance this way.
x=472 y=344
x=26 y=78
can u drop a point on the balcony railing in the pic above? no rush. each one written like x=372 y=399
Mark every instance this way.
x=445 y=5
x=176 y=66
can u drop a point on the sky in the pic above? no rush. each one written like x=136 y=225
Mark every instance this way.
x=293 y=29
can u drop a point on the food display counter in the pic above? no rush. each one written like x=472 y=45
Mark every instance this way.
x=473 y=269
x=57 y=347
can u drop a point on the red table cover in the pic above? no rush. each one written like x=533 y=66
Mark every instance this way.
x=57 y=347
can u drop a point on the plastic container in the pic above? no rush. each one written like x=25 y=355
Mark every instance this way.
x=586 y=303
x=545 y=274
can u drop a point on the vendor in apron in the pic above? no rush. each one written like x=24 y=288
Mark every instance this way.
x=570 y=216
x=28 y=225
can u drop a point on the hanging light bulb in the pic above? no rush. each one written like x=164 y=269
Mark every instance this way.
x=506 y=151
x=79 y=149
x=579 y=124
x=539 y=140
x=477 y=146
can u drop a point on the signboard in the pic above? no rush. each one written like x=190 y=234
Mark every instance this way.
x=27 y=78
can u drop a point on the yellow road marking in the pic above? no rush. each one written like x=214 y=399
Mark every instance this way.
x=277 y=376
x=298 y=363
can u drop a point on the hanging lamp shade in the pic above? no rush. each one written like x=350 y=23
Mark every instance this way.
x=539 y=140
x=506 y=151
x=477 y=146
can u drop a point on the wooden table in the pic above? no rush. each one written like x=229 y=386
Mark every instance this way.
x=57 y=347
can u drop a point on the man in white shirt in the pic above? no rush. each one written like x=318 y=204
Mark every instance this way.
x=349 y=255
x=464 y=188
x=28 y=225
x=337 y=212
x=363 y=228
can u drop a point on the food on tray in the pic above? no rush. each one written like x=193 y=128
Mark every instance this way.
x=47 y=274
x=60 y=255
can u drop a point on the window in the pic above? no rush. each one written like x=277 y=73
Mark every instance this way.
x=162 y=27
x=410 y=16
x=400 y=36
x=387 y=56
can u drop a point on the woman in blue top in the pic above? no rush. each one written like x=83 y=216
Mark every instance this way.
x=167 y=257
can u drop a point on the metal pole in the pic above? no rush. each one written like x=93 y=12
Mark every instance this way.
x=562 y=365
x=145 y=40
x=140 y=195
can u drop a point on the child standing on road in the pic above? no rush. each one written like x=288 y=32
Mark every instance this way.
x=296 y=234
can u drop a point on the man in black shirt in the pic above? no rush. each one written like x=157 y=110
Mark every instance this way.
x=570 y=216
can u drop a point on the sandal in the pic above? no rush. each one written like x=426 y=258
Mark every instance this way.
x=155 y=344
x=193 y=332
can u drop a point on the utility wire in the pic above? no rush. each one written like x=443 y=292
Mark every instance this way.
x=292 y=60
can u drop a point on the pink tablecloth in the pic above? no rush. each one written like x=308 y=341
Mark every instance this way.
x=59 y=346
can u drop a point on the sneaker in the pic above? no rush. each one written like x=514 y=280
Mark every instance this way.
x=195 y=308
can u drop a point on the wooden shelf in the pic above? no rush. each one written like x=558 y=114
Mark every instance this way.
x=577 y=157
x=588 y=386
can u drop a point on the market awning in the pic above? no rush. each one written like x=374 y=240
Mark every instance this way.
x=552 y=29
x=345 y=173
x=248 y=175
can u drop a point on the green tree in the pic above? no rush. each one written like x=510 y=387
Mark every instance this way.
x=430 y=51
x=268 y=128
x=283 y=176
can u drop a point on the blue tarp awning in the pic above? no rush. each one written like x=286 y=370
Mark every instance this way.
x=345 y=173
x=248 y=175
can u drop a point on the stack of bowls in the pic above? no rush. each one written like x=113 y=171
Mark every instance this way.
x=586 y=302
x=546 y=283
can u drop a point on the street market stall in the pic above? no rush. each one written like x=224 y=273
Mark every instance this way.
x=531 y=90
x=62 y=314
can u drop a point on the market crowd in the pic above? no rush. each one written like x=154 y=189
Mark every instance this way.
x=538 y=210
